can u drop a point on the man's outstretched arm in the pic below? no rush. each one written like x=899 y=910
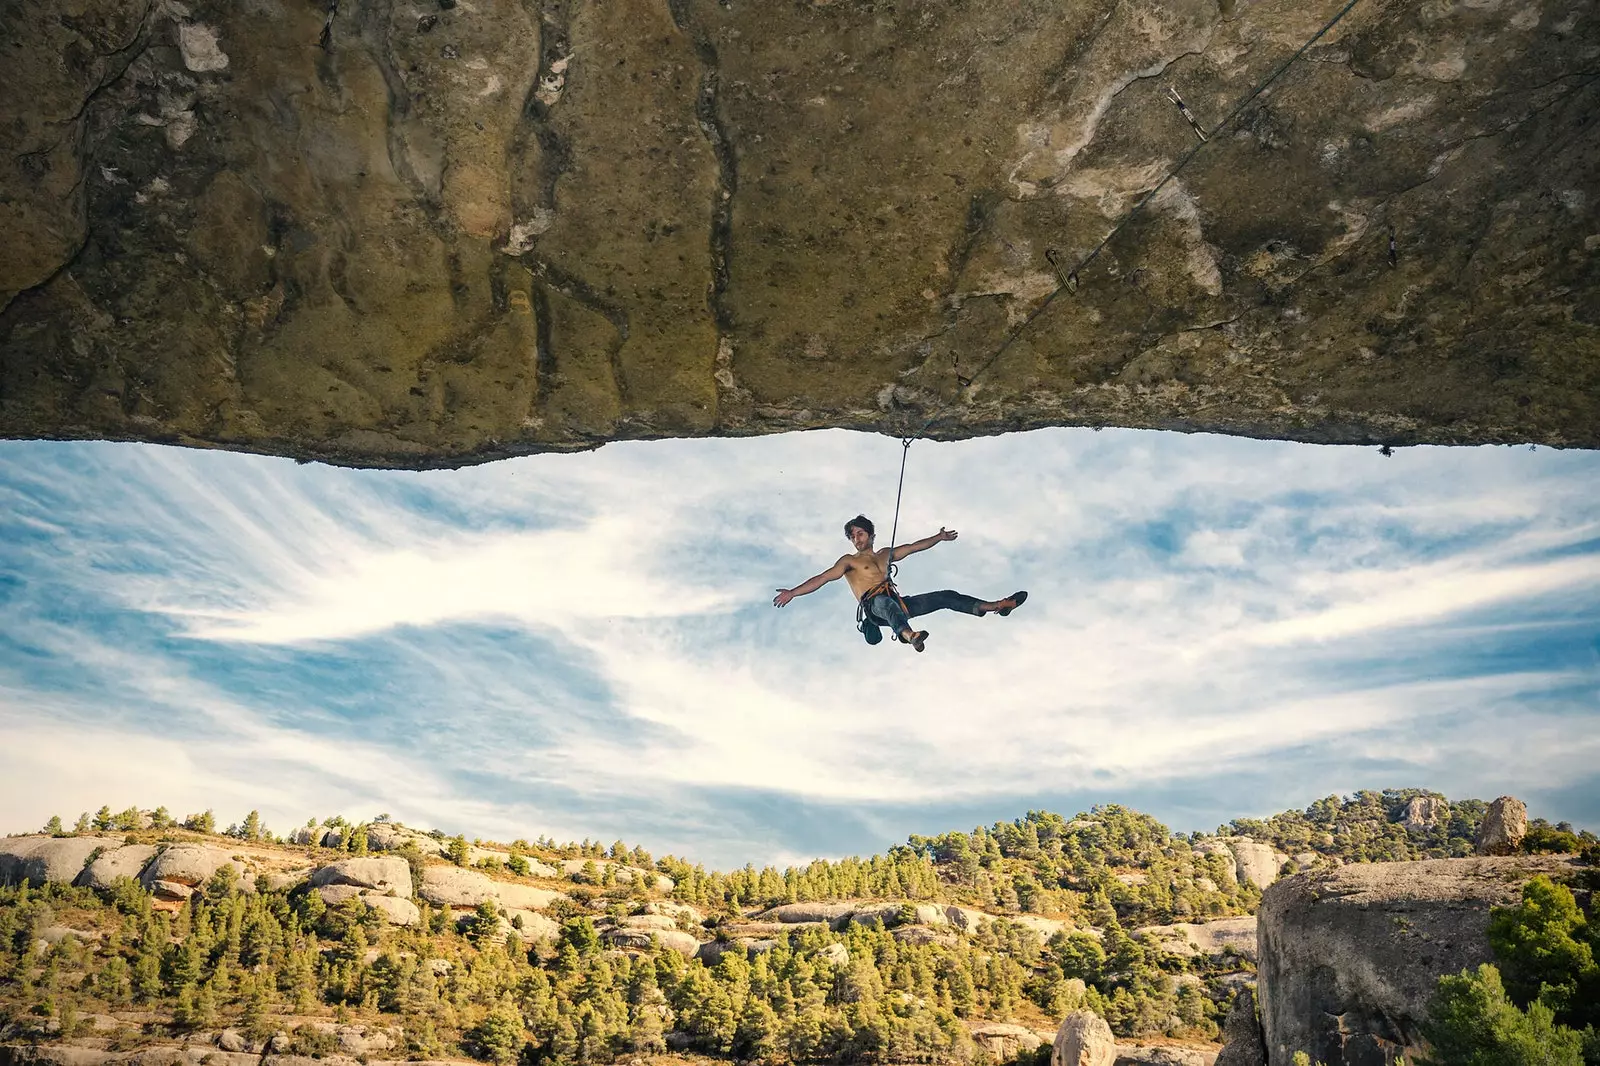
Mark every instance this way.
x=900 y=551
x=810 y=584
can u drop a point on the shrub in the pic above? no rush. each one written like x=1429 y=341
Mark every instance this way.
x=1546 y=951
x=1471 y=1022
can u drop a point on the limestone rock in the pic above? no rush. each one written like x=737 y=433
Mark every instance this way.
x=397 y=910
x=1208 y=938
x=532 y=926
x=1242 y=1043
x=684 y=944
x=232 y=1040
x=1083 y=1039
x=1158 y=1055
x=1504 y=825
x=837 y=954
x=277 y=880
x=890 y=912
x=38 y=859
x=1045 y=927
x=383 y=875
x=128 y=860
x=808 y=912
x=965 y=918
x=841 y=216
x=392 y=836
x=308 y=835
x=1349 y=957
x=333 y=895
x=924 y=934
x=1255 y=863
x=1423 y=813
x=192 y=865
x=1003 y=1041
x=451 y=886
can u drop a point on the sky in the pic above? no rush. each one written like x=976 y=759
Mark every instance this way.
x=584 y=646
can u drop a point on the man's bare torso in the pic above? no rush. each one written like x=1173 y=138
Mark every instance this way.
x=865 y=569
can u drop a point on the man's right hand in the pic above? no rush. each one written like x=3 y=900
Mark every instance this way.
x=783 y=597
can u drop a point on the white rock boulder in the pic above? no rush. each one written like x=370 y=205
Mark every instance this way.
x=38 y=859
x=193 y=865
x=386 y=876
x=129 y=860
x=1504 y=825
x=1083 y=1039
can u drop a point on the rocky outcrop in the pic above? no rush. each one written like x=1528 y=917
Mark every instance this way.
x=129 y=860
x=1003 y=1041
x=451 y=886
x=830 y=217
x=38 y=859
x=385 y=876
x=1242 y=1043
x=625 y=934
x=392 y=836
x=1423 y=813
x=1253 y=862
x=1162 y=1055
x=1349 y=958
x=1504 y=825
x=1207 y=938
x=177 y=870
x=1083 y=1039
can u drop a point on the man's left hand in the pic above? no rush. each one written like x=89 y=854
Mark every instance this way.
x=947 y=534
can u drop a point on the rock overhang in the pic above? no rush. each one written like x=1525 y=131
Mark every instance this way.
x=444 y=235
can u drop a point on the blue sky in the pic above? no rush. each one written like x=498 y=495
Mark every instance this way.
x=584 y=645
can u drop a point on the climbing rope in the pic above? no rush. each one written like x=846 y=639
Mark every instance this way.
x=905 y=450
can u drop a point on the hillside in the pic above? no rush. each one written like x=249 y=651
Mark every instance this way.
x=381 y=941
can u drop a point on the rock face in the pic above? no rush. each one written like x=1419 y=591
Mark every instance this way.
x=1209 y=938
x=126 y=861
x=1349 y=957
x=539 y=229
x=1241 y=1033
x=1003 y=1041
x=37 y=859
x=1084 y=1039
x=385 y=876
x=1423 y=813
x=1504 y=825
x=182 y=867
x=1133 y=1055
x=1253 y=861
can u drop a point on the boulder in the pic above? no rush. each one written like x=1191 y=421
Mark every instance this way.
x=278 y=880
x=1504 y=825
x=965 y=918
x=684 y=944
x=1254 y=862
x=1208 y=938
x=38 y=859
x=1423 y=813
x=889 y=913
x=1004 y=1041
x=837 y=954
x=808 y=912
x=192 y=865
x=650 y=921
x=392 y=836
x=55 y=934
x=451 y=886
x=310 y=835
x=232 y=1040
x=385 y=876
x=924 y=934
x=1241 y=1033
x=1349 y=957
x=129 y=860
x=692 y=915
x=170 y=891
x=397 y=910
x=1083 y=1039
x=333 y=895
x=332 y=838
x=532 y=926
x=1162 y=1055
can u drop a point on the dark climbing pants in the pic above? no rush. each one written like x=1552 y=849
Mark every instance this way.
x=884 y=610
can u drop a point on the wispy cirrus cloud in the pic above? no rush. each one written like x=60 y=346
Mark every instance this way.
x=583 y=645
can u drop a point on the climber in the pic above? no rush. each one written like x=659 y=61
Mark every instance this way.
x=878 y=602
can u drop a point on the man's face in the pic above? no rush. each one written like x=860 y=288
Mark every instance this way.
x=860 y=538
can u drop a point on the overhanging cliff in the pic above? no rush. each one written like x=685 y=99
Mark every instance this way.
x=420 y=234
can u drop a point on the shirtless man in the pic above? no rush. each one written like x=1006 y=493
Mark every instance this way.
x=867 y=571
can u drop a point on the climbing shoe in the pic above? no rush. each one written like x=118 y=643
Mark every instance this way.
x=1016 y=599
